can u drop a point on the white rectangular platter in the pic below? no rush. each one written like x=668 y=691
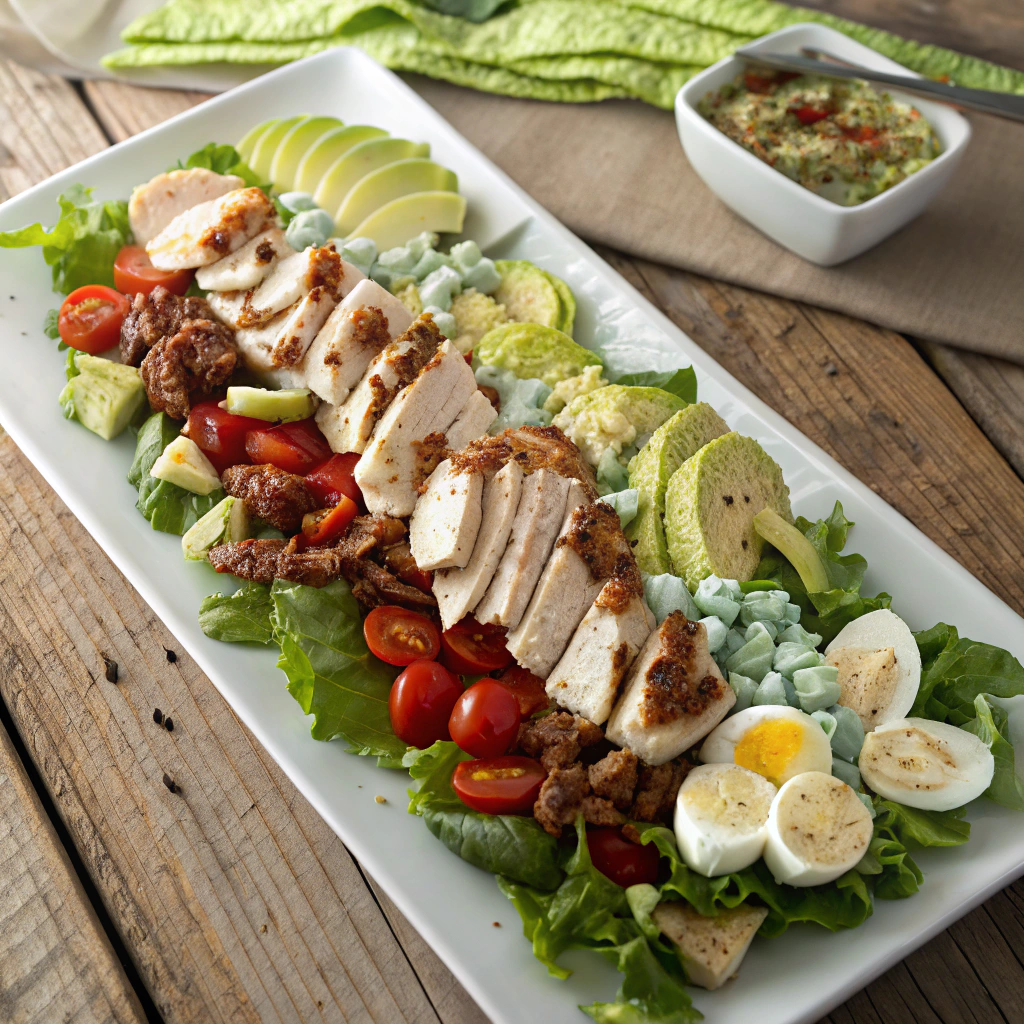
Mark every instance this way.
x=796 y=978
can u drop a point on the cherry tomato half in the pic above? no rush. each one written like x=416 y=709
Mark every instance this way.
x=421 y=701
x=328 y=524
x=90 y=318
x=336 y=477
x=624 y=862
x=471 y=649
x=527 y=688
x=400 y=636
x=297 y=447
x=133 y=273
x=499 y=785
x=809 y=115
x=220 y=434
x=485 y=719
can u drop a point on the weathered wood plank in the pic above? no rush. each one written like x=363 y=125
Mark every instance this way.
x=55 y=960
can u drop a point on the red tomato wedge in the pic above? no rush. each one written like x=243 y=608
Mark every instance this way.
x=626 y=863
x=527 y=688
x=421 y=701
x=90 y=318
x=220 y=434
x=336 y=478
x=328 y=524
x=294 y=447
x=471 y=649
x=485 y=719
x=400 y=636
x=499 y=785
x=862 y=133
x=133 y=273
x=809 y=115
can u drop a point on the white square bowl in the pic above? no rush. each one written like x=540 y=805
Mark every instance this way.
x=815 y=228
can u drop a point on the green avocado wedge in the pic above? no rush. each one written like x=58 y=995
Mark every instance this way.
x=266 y=145
x=366 y=157
x=294 y=146
x=328 y=150
x=391 y=182
x=710 y=506
x=679 y=438
x=396 y=222
x=252 y=136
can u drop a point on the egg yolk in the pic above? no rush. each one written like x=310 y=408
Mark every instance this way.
x=769 y=748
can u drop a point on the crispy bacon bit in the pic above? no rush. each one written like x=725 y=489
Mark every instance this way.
x=656 y=792
x=614 y=778
x=271 y=494
x=156 y=316
x=557 y=739
x=249 y=559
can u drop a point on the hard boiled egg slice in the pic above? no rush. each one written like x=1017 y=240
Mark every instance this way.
x=775 y=741
x=817 y=830
x=926 y=764
x=879 y=667
x=721 y=814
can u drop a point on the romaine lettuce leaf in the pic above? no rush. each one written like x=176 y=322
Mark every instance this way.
x=167 y=506
x=990 y=725
x=242 y=617
x=509 y=845
x=81 y=247
x=330 y=670
x=827 y=612
x=681 y=383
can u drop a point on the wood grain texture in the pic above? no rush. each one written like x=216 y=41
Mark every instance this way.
x=56 y=963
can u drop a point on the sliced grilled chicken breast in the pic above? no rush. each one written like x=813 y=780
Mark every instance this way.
x=295 y=276
x=247 y=266
x=391 y=469
x=446 y=521
x=474 y=421
x=210 y=231
x=458 y=591
x=674 y=694
x=154 y=205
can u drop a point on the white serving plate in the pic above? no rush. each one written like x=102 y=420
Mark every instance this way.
x=793 y=979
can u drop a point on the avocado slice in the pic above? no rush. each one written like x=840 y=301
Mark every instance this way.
x=266 y=145
x=282 y=406
x=531 y=350
x=369 y=156
x=710 y=506
x=225 y=523
x=183 y=463
x=394 y=223
x=294 y=146
x=392 y=181
x=676 y=440
x=328 y=150
x=528 y=294
x=252 y=136
x=102 y=395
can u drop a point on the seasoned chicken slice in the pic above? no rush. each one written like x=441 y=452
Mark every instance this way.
x=587 y=676
x=446 y=521
x=674 y=694
x=348 y=426
x=711 y=948
x=246 y=267
x=281 y=341
x=563 y=594
x=227 y=306
x=293 y=277
x=537 y=523
x=458 y=591
x=154 y=205
x=210 y=231
x=352 y=337
x=391 y=470
x=476 y=417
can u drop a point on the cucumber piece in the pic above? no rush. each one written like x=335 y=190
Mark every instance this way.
x=392 y=181
x=528 y=294
x=796 y=547
x=225 y=523
x=396 y=222
x=281 y=406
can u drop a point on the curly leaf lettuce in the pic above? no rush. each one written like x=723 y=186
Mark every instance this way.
x=508 y=845
x=80 y=248
x=223 y=159
x=826 y=612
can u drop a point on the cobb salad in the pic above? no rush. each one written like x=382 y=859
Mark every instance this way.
x=577 y=609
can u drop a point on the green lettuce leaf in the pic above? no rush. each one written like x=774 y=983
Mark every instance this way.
x=242 y=617
x=509 y=845
x=80 y=248
x=167 y=506
x=845 y=903
x=990 y=725
x=330 y=670
x=681 y=383
x=914 y=827
x=223 y=159
x=827 y=612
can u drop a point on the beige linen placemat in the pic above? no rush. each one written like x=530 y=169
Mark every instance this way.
x=616 y=174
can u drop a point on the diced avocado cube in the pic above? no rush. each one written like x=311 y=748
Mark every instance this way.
x=102 y=395
x=183 y=463
x=226 y=523
x=280 y=406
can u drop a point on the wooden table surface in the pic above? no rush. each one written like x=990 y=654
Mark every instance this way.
x=231 y=900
